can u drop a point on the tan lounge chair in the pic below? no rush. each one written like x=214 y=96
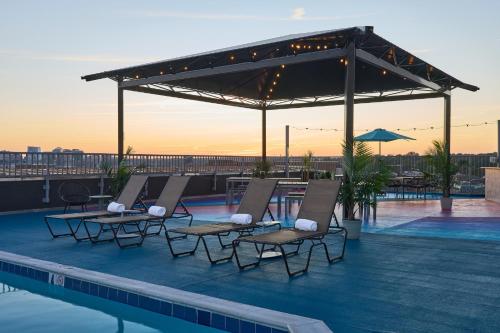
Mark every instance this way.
x=170 y=198
x=318 y=205
x=129 y=196
x=255 y=202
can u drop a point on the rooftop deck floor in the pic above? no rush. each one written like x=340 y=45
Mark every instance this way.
x=387 y=283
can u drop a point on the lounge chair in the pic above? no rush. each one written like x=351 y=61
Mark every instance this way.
x=129 y=196
x=170 y=199
x=318 y=205
x=255 y=202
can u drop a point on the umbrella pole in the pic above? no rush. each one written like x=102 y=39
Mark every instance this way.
x=380 y=148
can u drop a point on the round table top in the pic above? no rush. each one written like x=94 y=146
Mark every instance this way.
x=101 y=196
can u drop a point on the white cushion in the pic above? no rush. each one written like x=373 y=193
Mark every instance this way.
x=306 y=225
x=241 y=218
x=157 y=211
x=115 y=207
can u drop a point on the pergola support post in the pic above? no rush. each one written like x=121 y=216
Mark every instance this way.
x=264 y=139
x=446 y=142
x=287 y=151
x=350 y=85
x=120 y=122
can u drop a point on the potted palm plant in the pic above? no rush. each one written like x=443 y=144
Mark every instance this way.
x=364 y=178
x=120 y=176
x=442 y=171
x=262 y=168
x=307 y=161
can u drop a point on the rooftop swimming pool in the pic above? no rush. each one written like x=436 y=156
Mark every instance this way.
x=33 y=306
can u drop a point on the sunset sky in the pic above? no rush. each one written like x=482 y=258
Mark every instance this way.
x=46 y=46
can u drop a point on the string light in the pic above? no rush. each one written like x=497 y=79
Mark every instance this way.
x=161 y=73
x=185 y=68
x=384 y=72
x=231 y=57
x=137 y=76
x=282 y=66
x=410 y=129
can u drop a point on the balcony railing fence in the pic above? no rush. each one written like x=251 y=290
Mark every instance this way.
x=28 y=165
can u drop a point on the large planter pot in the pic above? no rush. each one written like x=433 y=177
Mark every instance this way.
x=446 y=204
x=353 y=228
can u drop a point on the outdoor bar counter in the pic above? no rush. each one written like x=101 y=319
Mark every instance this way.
x=492 y=190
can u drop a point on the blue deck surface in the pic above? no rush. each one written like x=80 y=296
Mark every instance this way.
x=387 y=283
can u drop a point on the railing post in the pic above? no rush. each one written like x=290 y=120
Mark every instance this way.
x=46 y=190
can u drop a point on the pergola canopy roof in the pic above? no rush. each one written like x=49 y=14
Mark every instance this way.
x=291 y=71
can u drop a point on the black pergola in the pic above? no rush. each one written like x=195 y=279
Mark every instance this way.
x=334 y=67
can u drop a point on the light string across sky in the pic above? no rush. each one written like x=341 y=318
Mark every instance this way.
x=427 y=128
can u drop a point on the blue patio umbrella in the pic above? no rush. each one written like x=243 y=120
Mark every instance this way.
x=381 y=135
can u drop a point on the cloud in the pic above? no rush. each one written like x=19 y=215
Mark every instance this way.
x=298 y=13
x=94 y=58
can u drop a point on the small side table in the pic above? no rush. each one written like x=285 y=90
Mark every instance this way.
x=100 y=199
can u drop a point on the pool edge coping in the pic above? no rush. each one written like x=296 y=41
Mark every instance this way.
x=270 y=318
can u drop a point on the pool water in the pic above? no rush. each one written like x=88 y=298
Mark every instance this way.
x=32 y=306
x=479 y=228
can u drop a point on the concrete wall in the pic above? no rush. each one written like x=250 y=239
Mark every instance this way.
x=25 y=194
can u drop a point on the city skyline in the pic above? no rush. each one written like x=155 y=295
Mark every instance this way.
x=67 y=111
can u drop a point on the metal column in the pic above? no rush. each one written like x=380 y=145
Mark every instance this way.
x=498 y=147
x=264 y=144
x=287 y=151
x=349 y=90
x=446 y=139
x=120 y=122
x=349 y=95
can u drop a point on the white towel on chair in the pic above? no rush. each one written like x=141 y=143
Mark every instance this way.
x=306 y=225
x=241 y=218
x=115 y=207
x=157 y=211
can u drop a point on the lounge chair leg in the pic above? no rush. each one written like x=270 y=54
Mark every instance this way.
x=74 y=232
x=300 y=271
x=214 y=261
x=95 y=239
x=222 y=245
x=53 y=234
x=249 y=265
x=125 y=245
x=178 y=254
x=341 y=256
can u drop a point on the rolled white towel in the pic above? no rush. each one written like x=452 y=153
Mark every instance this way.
x=241 y=218
x=115 y=207
x=157 y=211
x=306 y=225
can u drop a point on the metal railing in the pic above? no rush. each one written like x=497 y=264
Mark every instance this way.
x=27 y=165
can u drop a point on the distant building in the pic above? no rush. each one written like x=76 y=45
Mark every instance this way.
x=33 y=155
x=33 y=149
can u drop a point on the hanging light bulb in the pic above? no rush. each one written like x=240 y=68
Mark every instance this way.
x=277 y=74
x=161 y=72
x=185 y=68
x=282 y=66
x=384 y=72
x=231 y=57
x=137 y=76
